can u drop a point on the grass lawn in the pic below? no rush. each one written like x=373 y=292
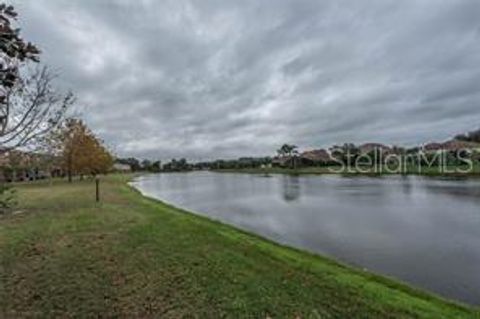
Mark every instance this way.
x=65 y=256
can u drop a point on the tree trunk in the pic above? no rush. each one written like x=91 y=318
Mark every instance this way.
x=69 y=169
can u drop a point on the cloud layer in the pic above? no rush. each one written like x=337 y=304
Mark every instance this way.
x=224 y=78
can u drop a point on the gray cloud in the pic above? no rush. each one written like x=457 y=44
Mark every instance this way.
x=216 y=78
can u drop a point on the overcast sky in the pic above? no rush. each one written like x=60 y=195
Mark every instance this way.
x=206 y=79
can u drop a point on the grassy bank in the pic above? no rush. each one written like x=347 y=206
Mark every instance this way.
x=62 y=255
x=425 y=171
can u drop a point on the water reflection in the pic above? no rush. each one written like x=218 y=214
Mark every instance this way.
x=291 y=187
x=425 y=231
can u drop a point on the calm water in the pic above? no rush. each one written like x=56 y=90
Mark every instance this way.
x=424 y=231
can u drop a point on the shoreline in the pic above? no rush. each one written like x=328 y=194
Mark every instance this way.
x=325 y=171
x=81 y=248
x=378 y=277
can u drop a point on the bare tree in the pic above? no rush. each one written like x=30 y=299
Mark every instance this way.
x=29 y=106
x=32 y=109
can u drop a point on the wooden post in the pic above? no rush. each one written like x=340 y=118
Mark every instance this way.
x=97 y=189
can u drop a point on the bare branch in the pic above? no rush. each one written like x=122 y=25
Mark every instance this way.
x=34 y=108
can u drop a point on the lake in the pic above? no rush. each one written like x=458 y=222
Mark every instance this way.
x=424 y=231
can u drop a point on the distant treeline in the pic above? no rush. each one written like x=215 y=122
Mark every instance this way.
x=146 y=165
x=287 y=156
x=177 y=165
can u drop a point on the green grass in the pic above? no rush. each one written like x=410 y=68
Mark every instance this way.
x=63 y=255
x=426 y=171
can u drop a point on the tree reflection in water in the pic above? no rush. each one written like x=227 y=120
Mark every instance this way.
x=291 y=187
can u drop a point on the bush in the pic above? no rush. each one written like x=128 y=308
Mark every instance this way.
x=7 y=198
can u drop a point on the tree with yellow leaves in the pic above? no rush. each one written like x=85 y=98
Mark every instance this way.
x=79 y=151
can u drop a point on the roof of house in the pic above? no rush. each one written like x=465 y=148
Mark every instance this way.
x=432 y=146
x=122 y=167
x=14 y=157
x=451 y=145
x=368 y=147
x=455 y=145
x=316 y=155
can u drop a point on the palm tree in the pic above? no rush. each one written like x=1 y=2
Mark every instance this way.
x=289 y=150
